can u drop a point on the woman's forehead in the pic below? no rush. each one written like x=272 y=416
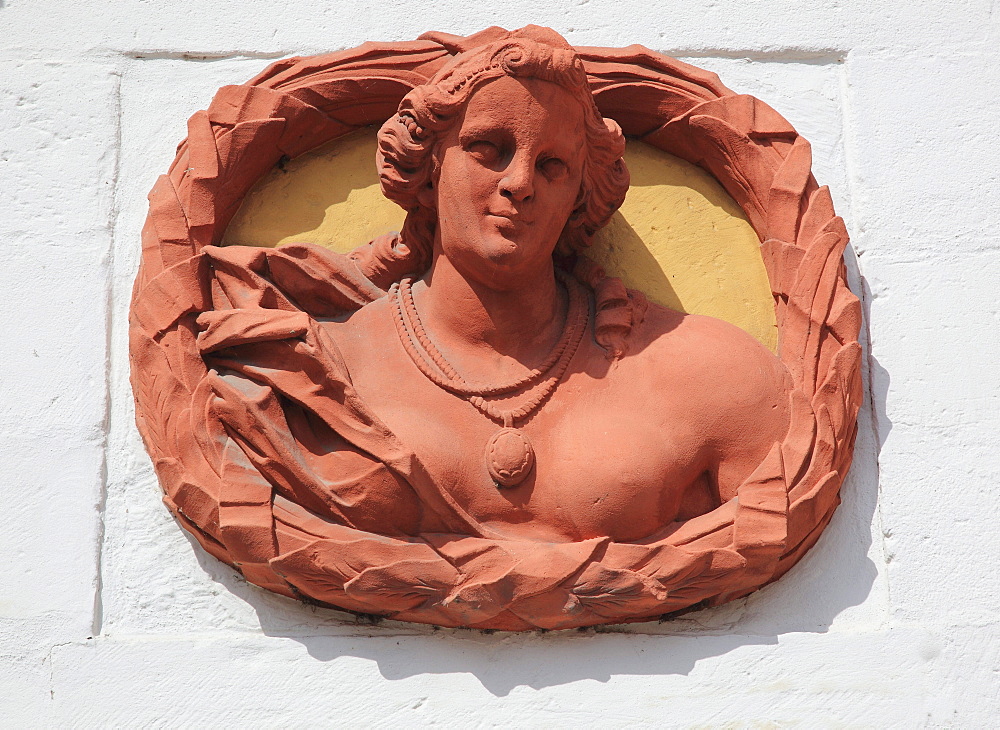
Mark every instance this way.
x=512 y=102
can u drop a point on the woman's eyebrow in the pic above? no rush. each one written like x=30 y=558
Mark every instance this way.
x=478 y=130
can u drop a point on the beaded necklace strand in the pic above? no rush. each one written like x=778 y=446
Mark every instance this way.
x=509 y=453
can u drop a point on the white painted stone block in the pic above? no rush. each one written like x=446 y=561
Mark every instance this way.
x=579 y=679
x=925 y=161
x=925 y=155
x=313 y=26
x=58 y=148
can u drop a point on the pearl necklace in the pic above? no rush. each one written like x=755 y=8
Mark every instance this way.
x=510 y=456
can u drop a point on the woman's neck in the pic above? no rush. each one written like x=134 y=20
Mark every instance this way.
x=482 y=327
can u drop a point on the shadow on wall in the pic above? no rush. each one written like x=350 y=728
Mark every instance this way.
x=502 y=664
x=835 y=576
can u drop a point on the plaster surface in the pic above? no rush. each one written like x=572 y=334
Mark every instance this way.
x=57 y=153
x=889 y=621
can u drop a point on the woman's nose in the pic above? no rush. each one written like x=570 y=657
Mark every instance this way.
x=517 y=182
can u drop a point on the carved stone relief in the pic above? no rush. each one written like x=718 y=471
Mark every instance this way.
x=467 y=423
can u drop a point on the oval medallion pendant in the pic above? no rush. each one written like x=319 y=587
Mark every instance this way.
x=509 y=457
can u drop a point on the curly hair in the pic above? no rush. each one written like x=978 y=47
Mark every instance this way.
x=409 y=143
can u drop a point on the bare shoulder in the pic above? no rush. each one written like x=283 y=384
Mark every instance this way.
x=714 y=345
x=726 y=371
x=356 y=324
x=723 y=385
x=361 y=335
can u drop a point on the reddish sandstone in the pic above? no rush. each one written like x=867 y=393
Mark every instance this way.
x=467 y=423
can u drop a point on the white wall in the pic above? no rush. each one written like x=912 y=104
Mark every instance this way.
x=109 y=615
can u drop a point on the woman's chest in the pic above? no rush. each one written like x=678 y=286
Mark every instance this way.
x=610 y=457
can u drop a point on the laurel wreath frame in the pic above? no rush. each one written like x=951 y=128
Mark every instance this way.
x=297 y=104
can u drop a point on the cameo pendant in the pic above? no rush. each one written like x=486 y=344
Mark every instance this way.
x=509 y=457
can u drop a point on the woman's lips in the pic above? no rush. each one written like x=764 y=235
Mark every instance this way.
x=510 y=220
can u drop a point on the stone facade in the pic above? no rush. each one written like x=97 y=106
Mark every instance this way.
x=109 y=615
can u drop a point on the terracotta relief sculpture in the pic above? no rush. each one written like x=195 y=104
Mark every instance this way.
x=467 y=423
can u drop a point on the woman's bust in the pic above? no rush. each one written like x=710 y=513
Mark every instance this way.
x=548 y=405
x=467 y=423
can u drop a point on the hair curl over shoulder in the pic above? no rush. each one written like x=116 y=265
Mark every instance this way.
x=409 y=142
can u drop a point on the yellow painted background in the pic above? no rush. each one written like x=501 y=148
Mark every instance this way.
x=678 y=237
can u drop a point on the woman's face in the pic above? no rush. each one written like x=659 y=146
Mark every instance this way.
x=510 y=176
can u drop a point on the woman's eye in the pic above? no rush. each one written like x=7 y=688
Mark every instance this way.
x=485 y=152
x=553 y=167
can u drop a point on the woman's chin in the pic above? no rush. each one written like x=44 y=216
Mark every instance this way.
x=507 y=272
x=507 y=261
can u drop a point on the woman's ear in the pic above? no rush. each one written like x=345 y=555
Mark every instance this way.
x=427 y=195
x=579 y=207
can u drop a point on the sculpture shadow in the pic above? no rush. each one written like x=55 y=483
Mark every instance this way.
x=627 y=245
x=502 y=664
x=294 y=197
x=878 y=377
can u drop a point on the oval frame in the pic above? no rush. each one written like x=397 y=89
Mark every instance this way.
x=298 y=104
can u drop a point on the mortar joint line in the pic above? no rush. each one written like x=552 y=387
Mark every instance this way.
x=98 y=609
